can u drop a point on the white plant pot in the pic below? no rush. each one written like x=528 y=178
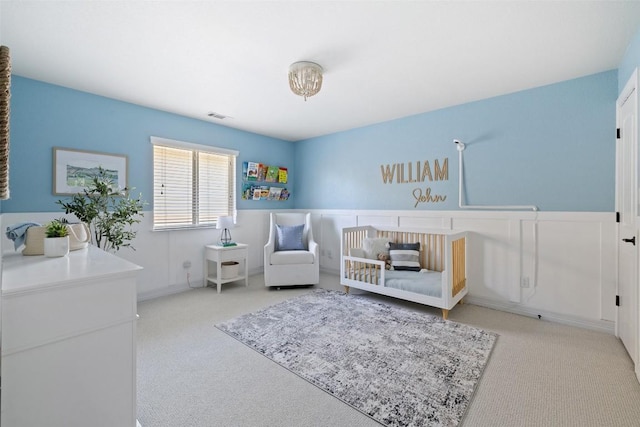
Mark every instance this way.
x=56 y=246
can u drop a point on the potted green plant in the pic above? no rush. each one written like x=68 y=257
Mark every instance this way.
x=56 y=242
x=108 y=211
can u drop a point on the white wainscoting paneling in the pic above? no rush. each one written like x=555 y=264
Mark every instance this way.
x=567 y=258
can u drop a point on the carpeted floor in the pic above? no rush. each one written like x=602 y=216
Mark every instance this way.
x=540 y=373
x=398 y=366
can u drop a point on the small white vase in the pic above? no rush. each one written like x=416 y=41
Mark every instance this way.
x=56 y=246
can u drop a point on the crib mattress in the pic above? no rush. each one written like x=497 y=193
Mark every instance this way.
x=423 y=282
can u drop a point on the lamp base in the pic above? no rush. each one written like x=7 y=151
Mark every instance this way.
x=225 y=238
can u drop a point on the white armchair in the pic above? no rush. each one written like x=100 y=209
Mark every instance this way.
x=291 y=256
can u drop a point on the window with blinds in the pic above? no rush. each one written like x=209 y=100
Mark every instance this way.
x=193 y=184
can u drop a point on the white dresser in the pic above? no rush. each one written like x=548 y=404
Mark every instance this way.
x=68 y=340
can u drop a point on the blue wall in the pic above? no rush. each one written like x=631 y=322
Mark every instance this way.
x=630 y=61
x=44 y=116
x=553 y=147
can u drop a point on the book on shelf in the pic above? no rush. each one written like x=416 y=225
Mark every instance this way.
x=262 y=172
x=272 y=173
x=264 y=192
x=274 y=193
x=255 y=193
x=247 y=191
x=282 y=175
x=252 y=171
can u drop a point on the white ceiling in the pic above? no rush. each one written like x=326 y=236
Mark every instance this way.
x=382 y=59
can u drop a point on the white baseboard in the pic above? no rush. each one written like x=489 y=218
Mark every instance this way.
x=605 y=326
x=256 y=271
x=174 y=289
x=330 y=271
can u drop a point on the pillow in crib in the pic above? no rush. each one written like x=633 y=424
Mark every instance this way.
x=405 y=256
x=373 y=246
x=357 y=252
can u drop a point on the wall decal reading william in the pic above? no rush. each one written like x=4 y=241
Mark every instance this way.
x=416 y=172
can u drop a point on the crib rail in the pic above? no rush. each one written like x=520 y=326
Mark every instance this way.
x=363 y=270
x=352 y=238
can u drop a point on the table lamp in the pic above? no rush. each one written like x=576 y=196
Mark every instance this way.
x=225 y=223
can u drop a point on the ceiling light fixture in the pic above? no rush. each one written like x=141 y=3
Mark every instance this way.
x=305 y=78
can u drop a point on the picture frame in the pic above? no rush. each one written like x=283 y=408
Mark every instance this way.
x=73 y=169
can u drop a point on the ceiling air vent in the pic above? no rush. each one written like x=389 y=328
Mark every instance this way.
x=216 y=116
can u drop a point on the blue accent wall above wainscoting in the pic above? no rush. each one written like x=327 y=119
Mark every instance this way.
x=552 y=147
x=44 y=116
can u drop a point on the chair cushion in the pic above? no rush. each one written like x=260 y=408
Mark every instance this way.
x=289 y=238
x=291 y=257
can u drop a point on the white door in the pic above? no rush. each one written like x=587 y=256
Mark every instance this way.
x=626 y=205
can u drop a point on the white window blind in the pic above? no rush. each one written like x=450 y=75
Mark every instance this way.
x=193 y=184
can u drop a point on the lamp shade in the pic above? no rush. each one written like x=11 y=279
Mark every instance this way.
x=224 y=222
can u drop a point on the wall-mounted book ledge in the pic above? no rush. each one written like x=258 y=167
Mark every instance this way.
x=264 y=182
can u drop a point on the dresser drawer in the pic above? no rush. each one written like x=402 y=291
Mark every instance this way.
x=50 y=314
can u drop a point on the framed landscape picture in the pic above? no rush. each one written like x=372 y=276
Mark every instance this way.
x=73 y=170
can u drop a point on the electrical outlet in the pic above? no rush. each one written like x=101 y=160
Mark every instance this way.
x=186 y=264
x=524 y=282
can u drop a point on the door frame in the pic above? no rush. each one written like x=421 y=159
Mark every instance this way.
x=633 y=84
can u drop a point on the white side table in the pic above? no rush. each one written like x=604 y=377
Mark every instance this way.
x=219 y=254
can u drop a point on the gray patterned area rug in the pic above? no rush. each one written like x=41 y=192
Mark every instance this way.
x=400 y=367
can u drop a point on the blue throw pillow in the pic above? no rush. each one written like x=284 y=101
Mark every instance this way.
x=289 y=238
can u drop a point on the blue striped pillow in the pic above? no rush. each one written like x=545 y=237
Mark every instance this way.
x=405 y=256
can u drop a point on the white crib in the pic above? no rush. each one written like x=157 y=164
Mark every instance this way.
x=441 y=283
